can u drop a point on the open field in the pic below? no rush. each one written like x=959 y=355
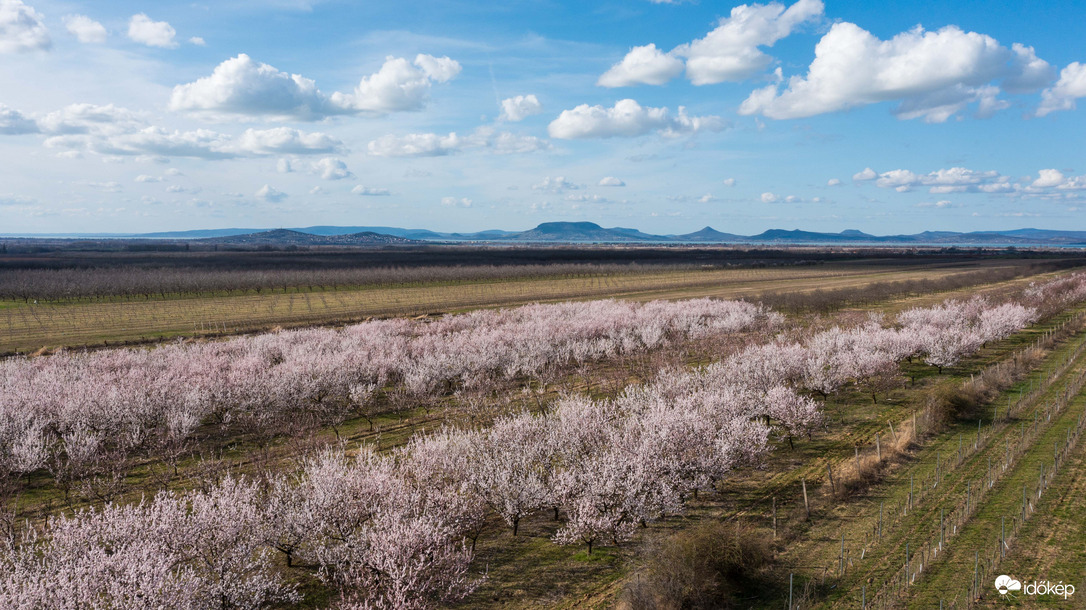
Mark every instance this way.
x=887 y=466
x=27 y=327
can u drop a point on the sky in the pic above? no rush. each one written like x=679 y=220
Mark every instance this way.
x=465 y=115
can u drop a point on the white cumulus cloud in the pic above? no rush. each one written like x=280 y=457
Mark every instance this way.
x=866 y=174
x=415 y=145
x=21 y=28
x=1048 y=178
x=1062 y=95
x=144 y=30
x=398 y=85
x=462 y=202
x=730 y=52
x=520 y=107
x=270 y=194
x=13 y=122
x=245 y=87
x=769 y=198
x=833 y=182
x=85 y=29
x=642 y=65
x=331 y=168
x=611 y=181
x=556 y=184
x=627 y=118
x=370 y=191
x=952 y=180
x=933 y=75
x=435 y=145
x=242 y=86
x=285 y=140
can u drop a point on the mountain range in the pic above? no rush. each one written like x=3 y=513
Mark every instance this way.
x=589 y=232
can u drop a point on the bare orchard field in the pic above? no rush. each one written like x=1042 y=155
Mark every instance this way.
x=31 y=326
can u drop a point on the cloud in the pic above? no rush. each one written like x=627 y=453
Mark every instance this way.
x=934 y=75
x=332 y=169
x=1050 y=183
x=398 y=85
x=198 y=41
x=243 y=86
x=1062 y=95
x=730 y=52
x=89 y=118
x=108 y=187
x=1053 y=180
x=866 y=174
x=942 y=203
x=462 y=202
x=627 y=118
x=769 y=198
x=519 y=107
x=270 y=194
x=435 y=145
x=110 y=130
x=836 y=181
x=611 y=181
x=85 y=29
x=1048 y=178
x=147 y=178
x=555 y=185
x=283 y=166
x=143 y=30
x=285 y=140
x=13 y=122
x=201 y=143
x=642 y=65
x=415 y=145
x=21 y=28
x=952 y=180
x=370 y=191
x=585 y=198
x=729 y=182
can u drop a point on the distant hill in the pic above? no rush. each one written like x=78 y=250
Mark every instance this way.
x=196 y=234
x=287 y=237
x=582 y=232
x=590 y=232
x=708 y=234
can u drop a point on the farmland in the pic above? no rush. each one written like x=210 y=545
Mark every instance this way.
x=857 y=431
x=50 y=301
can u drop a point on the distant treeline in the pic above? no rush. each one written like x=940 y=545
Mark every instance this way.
x=70 y=275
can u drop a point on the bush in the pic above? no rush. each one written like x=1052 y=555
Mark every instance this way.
x=708 y=566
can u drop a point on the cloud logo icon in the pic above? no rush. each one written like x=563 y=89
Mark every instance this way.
x=1005 y=583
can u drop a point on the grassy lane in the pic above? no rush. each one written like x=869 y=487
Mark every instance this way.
x=939 y=486
x=1052 y=545
x=976 y=543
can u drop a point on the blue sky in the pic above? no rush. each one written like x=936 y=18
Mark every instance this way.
x=451 y=115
